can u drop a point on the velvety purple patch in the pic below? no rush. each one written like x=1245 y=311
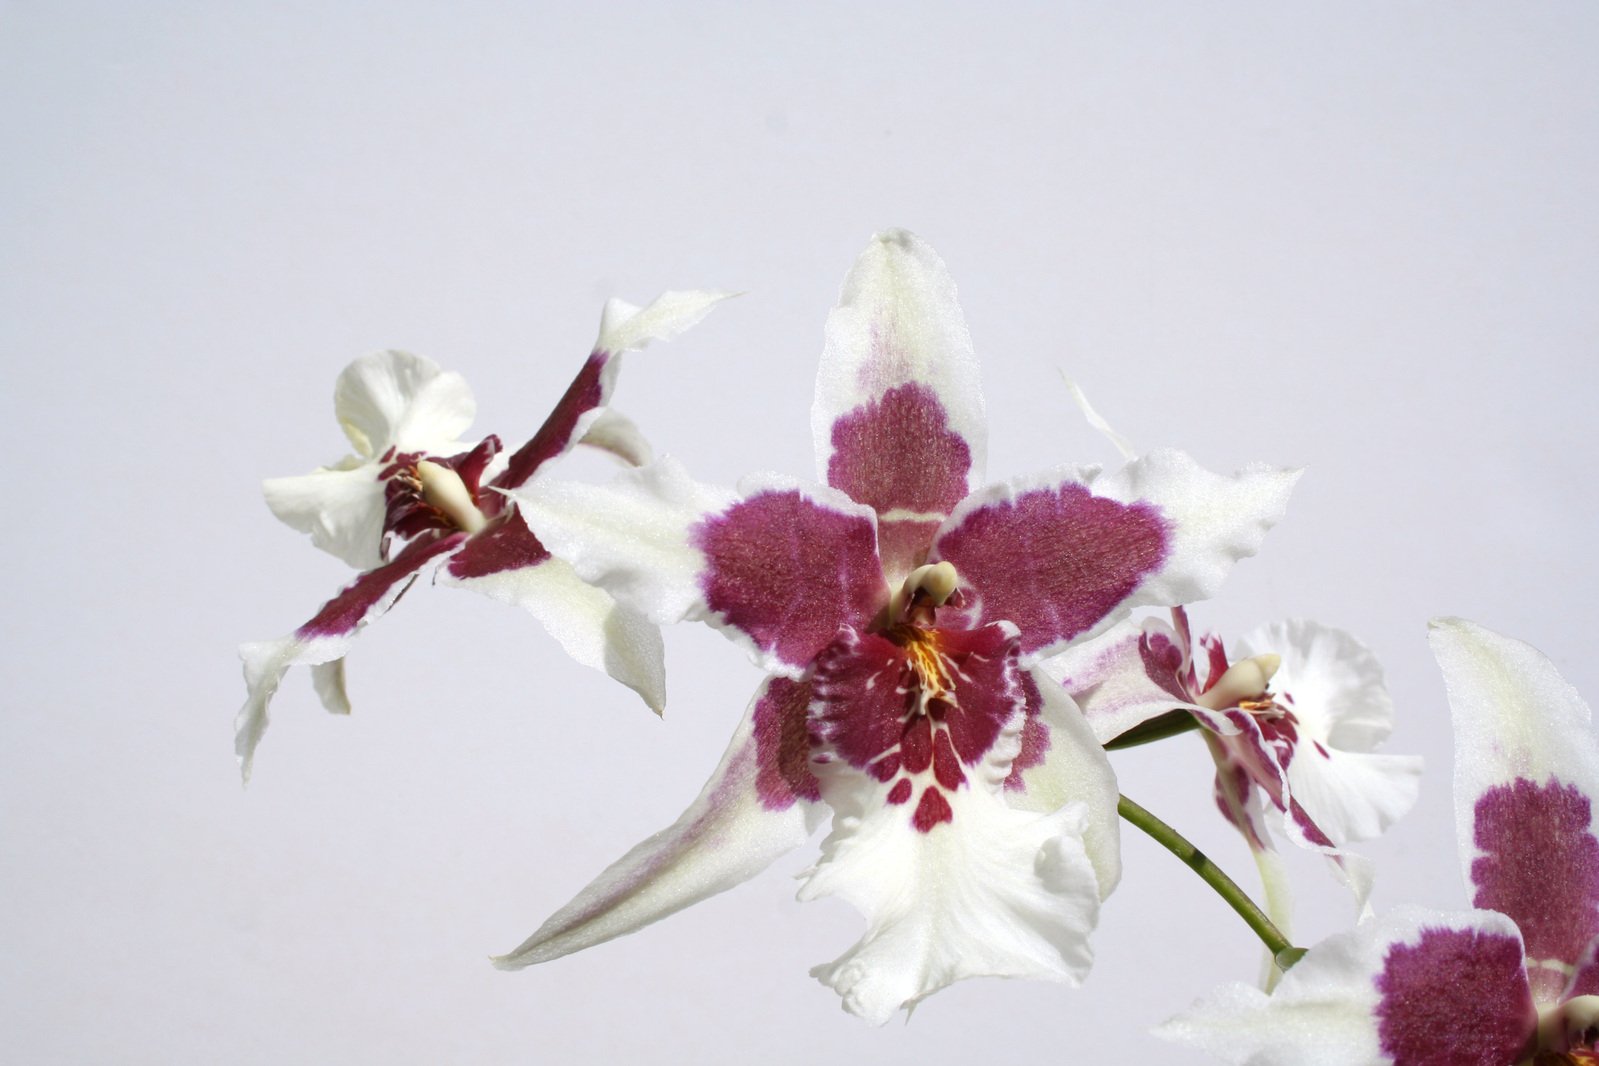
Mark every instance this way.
x=1541 y=865
x=788 y=572
x=917 y=703
x=346 y=611
x=1035 y=734
x=1233 y=790
x=506 y=544
x=559 y=431
x=1054 y=561
x=782 y=746
x=1456 y=997
x=898 y=452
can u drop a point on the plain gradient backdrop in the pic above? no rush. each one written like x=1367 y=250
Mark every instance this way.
x=1362 y=237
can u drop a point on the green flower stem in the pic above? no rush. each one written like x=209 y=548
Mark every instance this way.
x=1170 y=724
x=1282 y=951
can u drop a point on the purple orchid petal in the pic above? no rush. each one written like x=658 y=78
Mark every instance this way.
x=1055 y=560
x=785 y=568
x=898 y=418
x=783 y=745
x=1526 y=775
x=325 y=638
x=730 y=833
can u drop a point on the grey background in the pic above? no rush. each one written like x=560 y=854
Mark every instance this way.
x=1360 y=238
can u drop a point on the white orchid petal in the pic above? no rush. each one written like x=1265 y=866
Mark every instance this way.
x=995 y=892
x=735 y=829
x=631 y=535
x=396 y=399
x=328 y=681
x=625 y=327
x=1110 y=680
x=614 y=433
x=589 y=625
x=342 y=510
x=1526 y=783
x=1075 y=770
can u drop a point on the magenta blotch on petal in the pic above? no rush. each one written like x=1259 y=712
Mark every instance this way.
x=1456 y=997
x=782 y=745
x=1541 y=865
x=787 y=571
x=1054 y=561
x=506 y=545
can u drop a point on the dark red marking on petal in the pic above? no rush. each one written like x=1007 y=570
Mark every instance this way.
x=901 y=792
x=1216 y=659
x=782 y=746
x=1457 y=997
x=505 y=544
x=1308 y=826
x=885 y=768
x=931 y=809
x=789 y=571
x=1055 y=561
x=1541 y=866
x=916 y=745
x=1321 y=750
x=346 y=611
x=989 y=689
x=1233 y=793
x=946 y=767
x=1035 y=734
x=559 y=432
x=898 y=452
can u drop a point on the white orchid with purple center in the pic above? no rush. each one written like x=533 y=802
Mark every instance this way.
x=1292 y=720
x=1515 y=981
x=902 y=611
x=415 y=486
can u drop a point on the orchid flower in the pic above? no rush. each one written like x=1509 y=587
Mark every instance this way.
x=901 y=611
x=413 y=481
x=1292 y=722
x=1515 y=981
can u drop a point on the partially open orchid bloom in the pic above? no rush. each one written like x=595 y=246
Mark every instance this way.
x=1515 y=981
x=1292 y=719
x=415 y=486
x=901 y=615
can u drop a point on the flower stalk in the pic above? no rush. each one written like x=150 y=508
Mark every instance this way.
x=1284 y=953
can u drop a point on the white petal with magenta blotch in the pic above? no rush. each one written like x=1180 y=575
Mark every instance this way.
x=898 y=323
x=1447 y=985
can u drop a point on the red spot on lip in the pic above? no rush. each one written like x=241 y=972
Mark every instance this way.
x=900 y=792
x=916 y=748
x=930 y=810
x=946 y=764
x=885 y=768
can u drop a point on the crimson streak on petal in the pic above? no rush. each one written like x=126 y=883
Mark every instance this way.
x=788 y=571
x=1456 y=997
x=346 y=611
x=559 y=431
x=782 y=745
x=1055 y=561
